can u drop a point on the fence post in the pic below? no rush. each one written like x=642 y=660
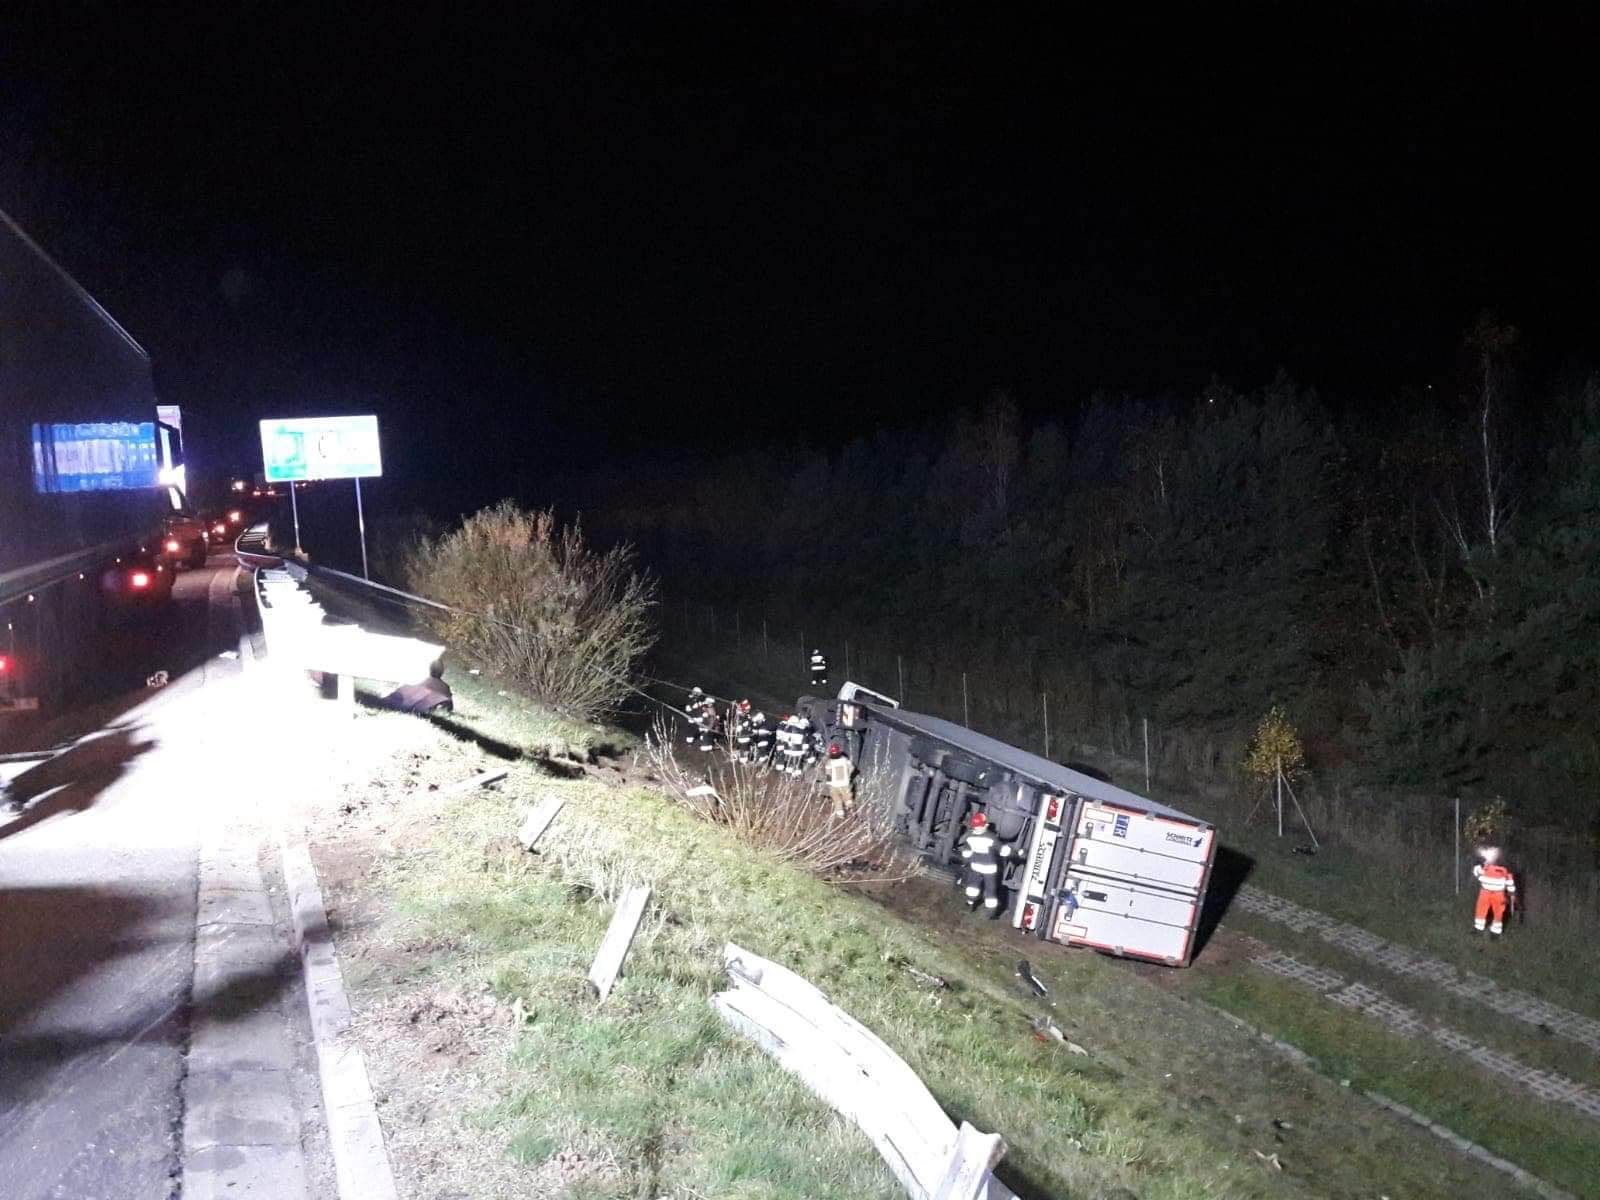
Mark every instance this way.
x=1146 y=755
x=1280 y=797
x=1045 y=696
x=966 y=716
x=1458 y=845
x=900 y=669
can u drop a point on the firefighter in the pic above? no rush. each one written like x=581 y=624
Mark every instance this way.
x=691 y=709
x=743 y=734
x=791 y=745
x=710 y=727
x=841 y=780
x=983 y=853
x=819 y=669
x=761 y=739
x=1495 y=883
x=702 y=711
x=810 y=743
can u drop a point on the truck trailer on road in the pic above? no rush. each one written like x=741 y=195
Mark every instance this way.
x=1094 y=865
x=81 y=491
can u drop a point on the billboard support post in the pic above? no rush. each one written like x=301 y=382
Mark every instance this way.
x=361 y=524
x=294 y=507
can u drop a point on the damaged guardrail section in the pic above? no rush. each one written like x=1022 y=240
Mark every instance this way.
x=300 y=635
x=851 y=1068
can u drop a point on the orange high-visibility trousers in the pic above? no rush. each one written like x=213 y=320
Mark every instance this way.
x=1490 y=904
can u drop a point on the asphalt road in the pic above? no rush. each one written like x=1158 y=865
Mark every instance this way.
x=97 y=919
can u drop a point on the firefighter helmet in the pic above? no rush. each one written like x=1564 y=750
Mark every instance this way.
x=834 y=751
x=744 y=706
x=979 y=821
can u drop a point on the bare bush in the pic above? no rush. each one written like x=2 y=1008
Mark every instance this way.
x=538 y=606
x=788 y=816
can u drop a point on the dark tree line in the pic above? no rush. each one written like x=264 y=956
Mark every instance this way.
x=1418 y=582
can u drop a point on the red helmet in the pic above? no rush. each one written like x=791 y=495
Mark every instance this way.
x=744 y=706
x=979 y=821
x=835 y=751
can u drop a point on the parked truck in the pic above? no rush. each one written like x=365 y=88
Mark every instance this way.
x=81 y=473
x=1094 y=865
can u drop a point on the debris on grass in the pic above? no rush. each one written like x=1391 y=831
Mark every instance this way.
x=1034 y=983
x=1271 y=1160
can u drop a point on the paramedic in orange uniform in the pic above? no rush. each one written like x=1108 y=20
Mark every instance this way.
x=1495 y=884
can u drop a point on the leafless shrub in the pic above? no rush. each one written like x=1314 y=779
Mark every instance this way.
x=540 y=607
x=788 y=816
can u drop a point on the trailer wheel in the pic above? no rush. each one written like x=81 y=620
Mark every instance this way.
x=963 y=769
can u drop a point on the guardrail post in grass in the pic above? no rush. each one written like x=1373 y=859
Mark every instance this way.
x=539 y=820
x=1045 y=698
x=966 y=716
x=900 y=668
x=619 y=936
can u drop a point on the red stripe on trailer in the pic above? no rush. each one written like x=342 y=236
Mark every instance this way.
x=1122 y=953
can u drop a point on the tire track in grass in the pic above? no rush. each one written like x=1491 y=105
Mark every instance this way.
x=1396 y=1017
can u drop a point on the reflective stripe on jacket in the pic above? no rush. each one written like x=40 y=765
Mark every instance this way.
x=1495 y=878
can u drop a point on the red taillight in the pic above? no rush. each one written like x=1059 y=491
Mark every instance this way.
x=219 y=529
x=1054 y=809
x=236 y=516
x=139 y=579
x=172 y=546
x=5 y=664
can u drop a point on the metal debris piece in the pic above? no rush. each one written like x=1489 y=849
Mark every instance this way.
x=1035 y=984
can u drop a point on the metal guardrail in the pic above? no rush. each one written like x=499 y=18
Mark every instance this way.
x=251 y=548
x=296 y=626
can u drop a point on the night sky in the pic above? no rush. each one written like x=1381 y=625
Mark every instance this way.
x=567 y=232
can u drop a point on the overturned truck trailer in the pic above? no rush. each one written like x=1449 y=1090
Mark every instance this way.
x=1094 y=865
